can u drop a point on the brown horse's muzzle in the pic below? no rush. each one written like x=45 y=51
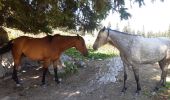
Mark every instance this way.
x=86 y=54
x=95 y=47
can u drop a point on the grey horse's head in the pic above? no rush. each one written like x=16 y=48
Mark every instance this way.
x=101 y=39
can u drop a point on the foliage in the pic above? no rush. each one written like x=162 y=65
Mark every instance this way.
x=149 y=34
x=70 y=68
x=74 y=53
x=42 y=15
x=3 y=36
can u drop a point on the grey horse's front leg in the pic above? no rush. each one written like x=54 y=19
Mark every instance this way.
x=125 y=78
x=136 y=74
x=164 y=68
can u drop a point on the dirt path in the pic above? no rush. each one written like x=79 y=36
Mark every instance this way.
x=82 y=86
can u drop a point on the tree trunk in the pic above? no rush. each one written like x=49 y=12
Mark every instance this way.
x=3 y=36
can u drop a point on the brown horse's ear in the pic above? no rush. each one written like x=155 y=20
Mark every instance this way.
x=78 y=36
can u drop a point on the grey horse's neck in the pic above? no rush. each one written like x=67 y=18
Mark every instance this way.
x=121 y=40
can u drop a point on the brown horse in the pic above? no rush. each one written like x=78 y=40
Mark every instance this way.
x=47 y=49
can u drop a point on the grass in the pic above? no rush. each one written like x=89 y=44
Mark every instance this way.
x=162 y=94
x=165 y=91
x=70 y=69
x=102 y=53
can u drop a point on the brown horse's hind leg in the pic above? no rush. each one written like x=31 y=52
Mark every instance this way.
x=15 y=71
x=15 y=76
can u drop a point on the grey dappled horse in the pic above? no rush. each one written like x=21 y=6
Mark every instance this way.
x=135 y=51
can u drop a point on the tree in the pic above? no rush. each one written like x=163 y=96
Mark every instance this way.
x=127 y=28
x=117 y=26
x=43 y=15
x=3 y=36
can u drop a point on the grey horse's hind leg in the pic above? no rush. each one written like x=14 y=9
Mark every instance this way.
x=136 y=74
x=125 y=78
x=164 y=68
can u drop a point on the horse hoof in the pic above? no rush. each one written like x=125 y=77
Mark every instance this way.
x=18 y=85
x=122 y=93
x=153 y=93
x=124 y=90
x=58 y=82
x=156 y=89
x=43 y=85
x=163 y=85
x=137 y=93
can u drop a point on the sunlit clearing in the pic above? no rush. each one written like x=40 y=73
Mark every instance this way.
x=70 y=94
x=168 y=79
x=157 y=77
x=74 y=93
x=35 y=77
x=24 y=71
x=4 y=62
x=38 y=68
x=22 y=79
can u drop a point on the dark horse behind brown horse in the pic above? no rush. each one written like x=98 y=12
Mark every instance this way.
x=47 y=49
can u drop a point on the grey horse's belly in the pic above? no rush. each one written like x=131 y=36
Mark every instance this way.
x=149 y=51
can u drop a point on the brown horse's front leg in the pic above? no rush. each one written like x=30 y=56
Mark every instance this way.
x=44 y=74
x=15 y=76
x=56 y=75
x=45 y=69
x=55 y=65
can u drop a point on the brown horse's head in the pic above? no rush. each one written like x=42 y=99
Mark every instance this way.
x=101 y=39
x=81 y=46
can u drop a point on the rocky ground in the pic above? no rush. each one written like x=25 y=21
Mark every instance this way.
x=99 y=80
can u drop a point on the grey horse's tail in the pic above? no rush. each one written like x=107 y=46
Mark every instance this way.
x=7 y=47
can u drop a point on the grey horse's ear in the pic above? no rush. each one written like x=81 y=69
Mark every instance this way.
x=104 y=28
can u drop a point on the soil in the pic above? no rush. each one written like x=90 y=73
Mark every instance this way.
x=83 y=85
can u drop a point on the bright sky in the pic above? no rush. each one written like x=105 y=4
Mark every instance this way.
x=150 y=17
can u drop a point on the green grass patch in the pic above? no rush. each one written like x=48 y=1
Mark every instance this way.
x=168 y=85
x=69 y=69
x=99 y=54
x=165 y=91
x=74 y=53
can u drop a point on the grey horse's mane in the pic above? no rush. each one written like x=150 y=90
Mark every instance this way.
x=122 y=32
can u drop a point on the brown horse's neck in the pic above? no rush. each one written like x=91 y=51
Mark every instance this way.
x=65 y=42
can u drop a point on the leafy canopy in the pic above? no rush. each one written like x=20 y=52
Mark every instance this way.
x=42 y=15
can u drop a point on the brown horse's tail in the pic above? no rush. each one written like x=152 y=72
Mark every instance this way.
x=7 y=47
